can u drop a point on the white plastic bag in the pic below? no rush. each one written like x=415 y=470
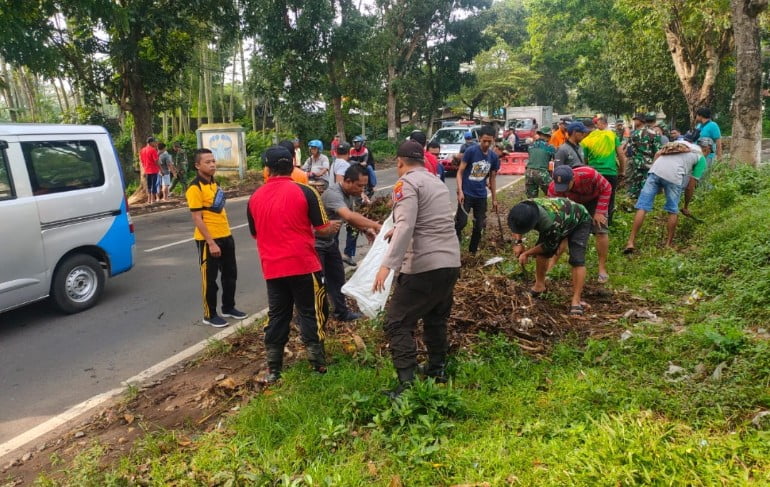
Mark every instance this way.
x=359 y=287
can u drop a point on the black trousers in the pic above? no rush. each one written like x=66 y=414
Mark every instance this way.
x=426 y=296
x=334 y=277
x=479 y=207
x=307 y=293
x=211 y=267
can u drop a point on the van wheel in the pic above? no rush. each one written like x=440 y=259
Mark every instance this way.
x=78 y=283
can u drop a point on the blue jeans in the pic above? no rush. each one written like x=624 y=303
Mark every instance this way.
x=351 y=239
x=652 y=187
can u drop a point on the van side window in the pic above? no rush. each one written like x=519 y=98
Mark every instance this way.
x=59 y=166
x=6 y=185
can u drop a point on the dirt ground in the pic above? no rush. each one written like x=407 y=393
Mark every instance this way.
x=194 y=397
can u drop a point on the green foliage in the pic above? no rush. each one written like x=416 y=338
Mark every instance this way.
x=382 y=148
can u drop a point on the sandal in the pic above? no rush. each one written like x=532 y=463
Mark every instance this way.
x=576 y=310
x=537 y=294
x=629 y=250
x=603 y=278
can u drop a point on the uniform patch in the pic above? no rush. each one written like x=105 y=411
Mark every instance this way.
x=398 y=190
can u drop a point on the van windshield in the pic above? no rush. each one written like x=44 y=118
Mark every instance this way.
x=450 y=136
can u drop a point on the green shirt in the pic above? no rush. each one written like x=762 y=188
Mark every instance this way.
x=540 y=154
x=606 y=165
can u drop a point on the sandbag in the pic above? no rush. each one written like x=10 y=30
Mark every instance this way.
x=359 y=287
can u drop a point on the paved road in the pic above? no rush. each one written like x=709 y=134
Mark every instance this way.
x=51 y=362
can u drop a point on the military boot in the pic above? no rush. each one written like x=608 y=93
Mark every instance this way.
x=274 y=364
x=317 y=357
x=435 y=368
x=405 y=381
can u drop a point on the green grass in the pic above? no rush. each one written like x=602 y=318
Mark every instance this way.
x=601 y=412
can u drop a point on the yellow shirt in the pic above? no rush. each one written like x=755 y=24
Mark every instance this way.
x=200 y=195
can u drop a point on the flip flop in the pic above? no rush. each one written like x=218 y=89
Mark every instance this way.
x=603 y=278
x=629 y=250
x=537 y=294
x=576 y=310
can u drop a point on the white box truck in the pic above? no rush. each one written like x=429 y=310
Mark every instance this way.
x=526 y=120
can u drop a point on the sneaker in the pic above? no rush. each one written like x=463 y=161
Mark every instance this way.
x=215 y=321
x=350 y=316
x=349 y=261
x=234 y=313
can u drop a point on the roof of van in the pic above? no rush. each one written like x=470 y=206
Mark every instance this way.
x=7 y=129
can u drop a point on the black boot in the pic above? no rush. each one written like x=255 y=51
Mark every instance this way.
x=405 y=381
x=317 y=357
x=274 y=364
x=435 y=369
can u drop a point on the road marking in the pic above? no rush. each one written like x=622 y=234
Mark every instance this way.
x=79 y=409
x=179 y=242
x=96 y=401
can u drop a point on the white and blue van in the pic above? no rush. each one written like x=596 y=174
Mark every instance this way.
x=64 y=221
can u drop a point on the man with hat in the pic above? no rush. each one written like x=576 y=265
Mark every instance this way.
x=424 y=251
x=283 y=216
x=570 y=152
x=585 y=185
x=536 y=176
x=560 y=135
x=555 y=219
x=644 y=144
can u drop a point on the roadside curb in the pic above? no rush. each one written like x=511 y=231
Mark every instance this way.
x=84 y=407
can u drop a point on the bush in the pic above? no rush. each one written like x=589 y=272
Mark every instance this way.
x=382 y=148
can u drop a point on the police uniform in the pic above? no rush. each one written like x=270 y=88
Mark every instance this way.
x=426 y=253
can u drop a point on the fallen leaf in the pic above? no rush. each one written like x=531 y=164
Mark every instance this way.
x=395 y=481
x=228 y=383
x=372 y=467
x=129 y=418
x=184 y=442
x=360 y=344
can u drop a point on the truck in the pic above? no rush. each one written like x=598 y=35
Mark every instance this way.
x=526 y=120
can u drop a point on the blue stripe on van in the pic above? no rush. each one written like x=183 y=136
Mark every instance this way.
x=118 y=243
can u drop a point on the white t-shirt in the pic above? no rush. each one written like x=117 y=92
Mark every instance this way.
x=315 y=166
x=339 y=167
x=675 y=168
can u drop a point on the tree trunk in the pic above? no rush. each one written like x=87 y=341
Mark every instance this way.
x=207 y=85
x=391 y=107
x=746 y=141
x=200 y=100
x=248 y=101
x=164 y=126
x=339 y=119
x=141 y=111
x=230 y=111
x=58 y=96
x=7 y=93
x=65 y=96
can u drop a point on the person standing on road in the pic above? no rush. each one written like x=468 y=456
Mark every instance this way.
x=541 y=154
x=166 y=163
x=426 y=255
x=333 y=146
x=431 y=163
x=479 y=164
x=341 y=164
x=216 y=246
x=555 y=219
x=339 y=202
x=571 y=152
x=180 y=167
x=283 y=216
x=585 y=185
x=148 y=157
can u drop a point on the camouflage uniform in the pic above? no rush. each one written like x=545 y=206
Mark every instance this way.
x=563 y=217
x=644 y=143
x=537 y=176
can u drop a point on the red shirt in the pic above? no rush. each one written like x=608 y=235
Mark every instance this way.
x=282 y=215
x=335 y=144
x=431 y=163
x=148 y=156
x=589 y=185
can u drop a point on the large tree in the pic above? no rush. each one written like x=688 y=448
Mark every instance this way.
x=130 y=51
x=746 y=142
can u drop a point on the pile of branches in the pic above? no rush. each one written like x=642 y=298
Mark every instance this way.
x=378 y=210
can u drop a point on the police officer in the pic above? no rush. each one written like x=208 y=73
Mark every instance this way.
x=426 y=254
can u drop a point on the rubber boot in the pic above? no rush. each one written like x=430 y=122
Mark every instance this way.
x=274 y=364
x=405 y=381
x=317 y=357
x=435 y=368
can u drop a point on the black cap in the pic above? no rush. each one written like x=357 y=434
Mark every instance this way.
x=419 y=137
x=411 y=149
x=288 y=145
x=343 y=148
x=562 y=176
x=277 y=154
x=523 y=217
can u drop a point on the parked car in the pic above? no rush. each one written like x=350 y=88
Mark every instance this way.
x=63 y=215
x=451 y=139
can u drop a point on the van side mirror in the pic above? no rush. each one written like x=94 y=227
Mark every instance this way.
x=3 y=145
